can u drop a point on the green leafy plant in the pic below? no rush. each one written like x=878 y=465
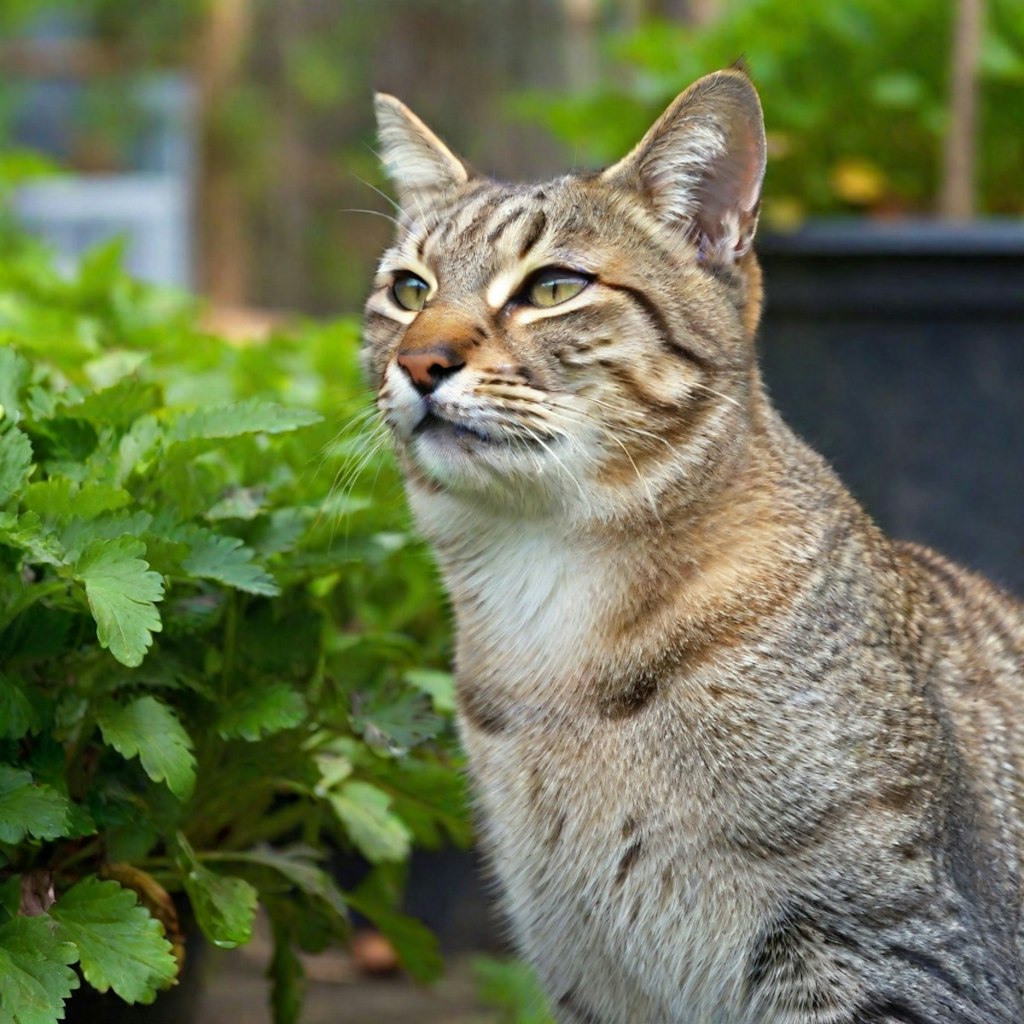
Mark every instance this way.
x=216 y=640
x=511 y=988
x=855 y=95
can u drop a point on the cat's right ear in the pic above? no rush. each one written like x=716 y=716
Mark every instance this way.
x=416 y=161
x=701 y=165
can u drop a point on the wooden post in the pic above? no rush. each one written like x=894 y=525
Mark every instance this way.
x=223 y=248
x=583 y=63
x=702 y=12
x=957 y=197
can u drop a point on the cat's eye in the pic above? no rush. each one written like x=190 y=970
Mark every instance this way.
x=554 y=285
x=409 y=291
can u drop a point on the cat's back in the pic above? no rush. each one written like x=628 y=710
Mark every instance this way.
x=971 y=646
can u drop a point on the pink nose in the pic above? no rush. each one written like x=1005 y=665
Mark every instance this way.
x=427 y=367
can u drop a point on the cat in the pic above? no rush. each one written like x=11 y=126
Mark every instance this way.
x=738 y=757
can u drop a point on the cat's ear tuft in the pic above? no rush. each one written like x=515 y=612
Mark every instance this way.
x=702 y=163
x=415 y=160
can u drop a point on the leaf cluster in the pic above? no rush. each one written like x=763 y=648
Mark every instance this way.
x=219 y=645
x=855 y=93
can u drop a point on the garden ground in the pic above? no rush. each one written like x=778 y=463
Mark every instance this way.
x=236 y=992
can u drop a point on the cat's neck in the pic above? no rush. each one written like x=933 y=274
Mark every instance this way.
x=549 y=599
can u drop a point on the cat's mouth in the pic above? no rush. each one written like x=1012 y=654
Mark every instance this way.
x=443 y=431
x=438 y=427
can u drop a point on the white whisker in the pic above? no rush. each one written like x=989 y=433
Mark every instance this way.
x=383 y=195
x=376 y=213
x=712 y=391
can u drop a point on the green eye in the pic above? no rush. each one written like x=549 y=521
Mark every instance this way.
x=410 y=291
x=553 y=286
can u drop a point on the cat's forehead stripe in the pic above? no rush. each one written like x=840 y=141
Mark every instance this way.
x=475 y=218
x=507 y=220
x=534 y=232
x=459 y=220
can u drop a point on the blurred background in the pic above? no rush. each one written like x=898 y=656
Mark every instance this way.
x=232 y=138
x=230 y=143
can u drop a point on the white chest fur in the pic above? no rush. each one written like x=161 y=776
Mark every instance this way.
x=599 y=831
x=610 y=880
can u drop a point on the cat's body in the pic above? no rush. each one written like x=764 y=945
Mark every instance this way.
x=739 y=758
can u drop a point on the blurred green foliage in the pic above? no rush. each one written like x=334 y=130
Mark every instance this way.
x=855 y=95
x=511 y=987
x=107 y=111
x=287 y=129
x=160 y=37
x=221 y=652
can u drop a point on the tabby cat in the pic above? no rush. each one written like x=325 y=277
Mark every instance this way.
x=738 y=757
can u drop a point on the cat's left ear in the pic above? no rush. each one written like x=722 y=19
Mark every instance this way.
x=702 y=163
x=415 y=160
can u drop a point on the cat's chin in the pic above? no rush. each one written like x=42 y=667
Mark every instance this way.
x=487 y=469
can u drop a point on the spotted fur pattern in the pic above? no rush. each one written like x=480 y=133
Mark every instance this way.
x=738 y=757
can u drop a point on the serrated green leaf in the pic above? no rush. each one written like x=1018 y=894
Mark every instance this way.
x=15 y=462
x=393 y=719
x=64 y=444
x=225 y=907
x=30 y=808
x=81 y=532
x=365 y=811
x=253 y=416
x=120 y=945
x=14 y=375
x=430 y=798
x=213 y=556
x=50 y=498
x=35 y=972
x=121 y=592
x=61 y=499
x=439 y=685
x=17 y=715
x=138 y=446
x=118 y=405
x=27 y=532
x=112 y=366
x=259 y=712
x=151 y=730
x=298 y=864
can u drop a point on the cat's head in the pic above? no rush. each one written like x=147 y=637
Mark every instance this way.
x=583 y=346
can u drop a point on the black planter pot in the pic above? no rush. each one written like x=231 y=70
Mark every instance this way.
x=897 y=350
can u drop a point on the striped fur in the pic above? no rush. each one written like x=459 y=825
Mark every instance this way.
x=738 y=757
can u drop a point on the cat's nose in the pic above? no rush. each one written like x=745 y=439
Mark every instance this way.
x=427 y=367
